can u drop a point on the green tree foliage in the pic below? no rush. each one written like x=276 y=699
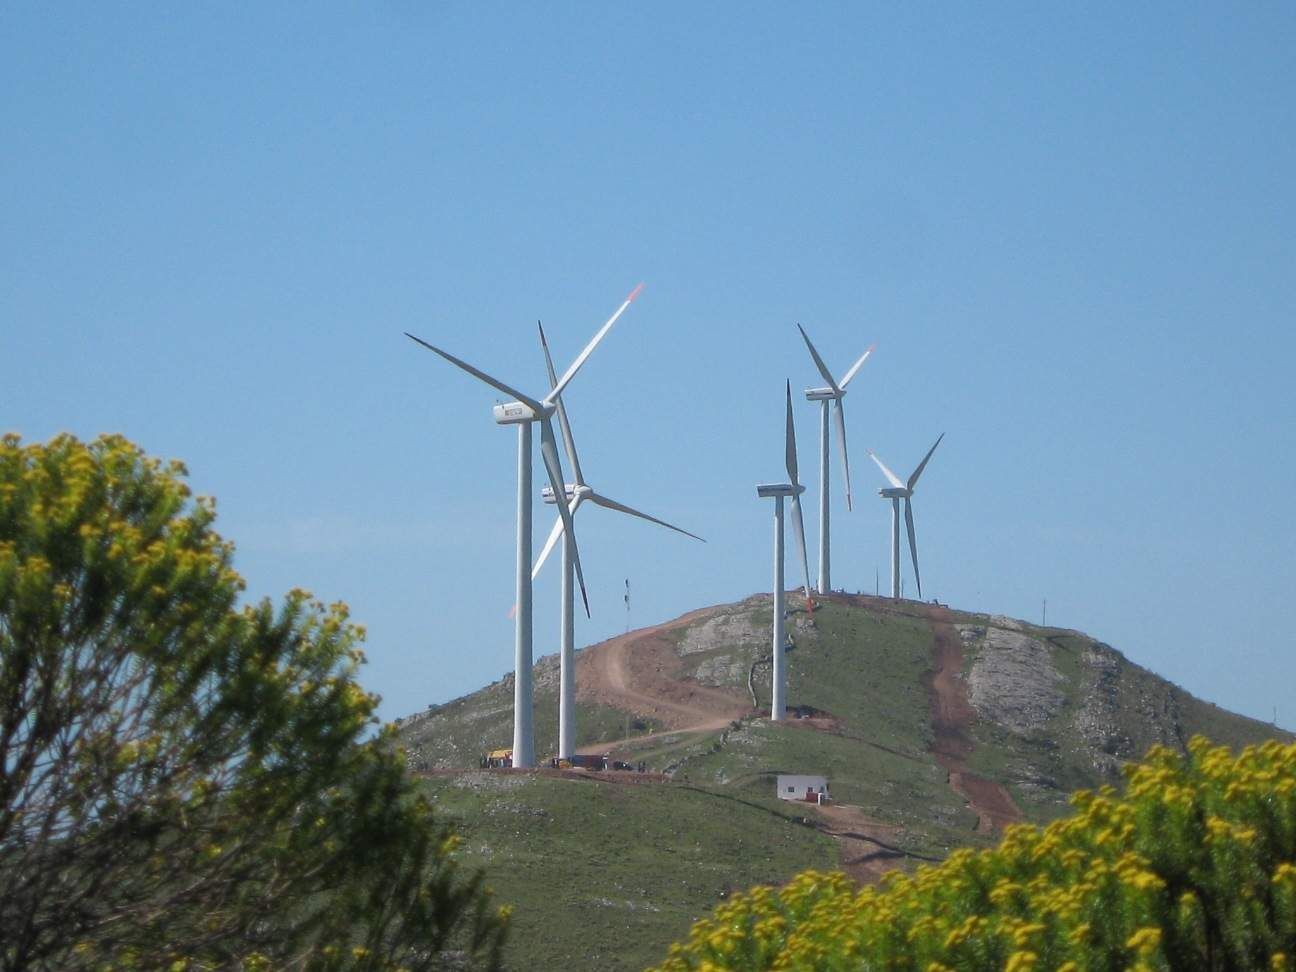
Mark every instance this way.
x=184 y=782
x=1193 y=868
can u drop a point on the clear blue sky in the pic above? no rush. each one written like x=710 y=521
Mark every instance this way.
x=1069 y=231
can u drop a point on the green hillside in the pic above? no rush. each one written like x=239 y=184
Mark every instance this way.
x=602 y=875
x=933 y=727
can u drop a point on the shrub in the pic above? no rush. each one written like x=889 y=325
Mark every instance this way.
x=187 y=782
x=1194 y=867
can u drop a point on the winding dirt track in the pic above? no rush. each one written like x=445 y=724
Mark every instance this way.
x=637 y=672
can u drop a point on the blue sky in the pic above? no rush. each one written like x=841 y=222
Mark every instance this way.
x=1069 y=231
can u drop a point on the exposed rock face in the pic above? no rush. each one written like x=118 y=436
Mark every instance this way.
x=1013 y=681
x=731 y=640
x=737 y=630
x=1125 y=710
x=1097 y=720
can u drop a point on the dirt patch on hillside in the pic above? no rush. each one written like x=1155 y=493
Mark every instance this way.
x=639 y=672
x=951 y=718
x=867 y=847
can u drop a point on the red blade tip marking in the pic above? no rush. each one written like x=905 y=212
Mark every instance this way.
x=634 y=293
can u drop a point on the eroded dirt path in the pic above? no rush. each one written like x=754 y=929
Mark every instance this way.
x=637 y=672
x=866 y=846
x=951 y=718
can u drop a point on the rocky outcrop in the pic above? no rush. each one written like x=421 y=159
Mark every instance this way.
x=1013 y=681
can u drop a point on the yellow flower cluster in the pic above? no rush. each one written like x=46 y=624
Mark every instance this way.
x=1195 y=862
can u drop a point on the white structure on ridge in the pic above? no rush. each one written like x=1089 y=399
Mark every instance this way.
x=576 y=493
x=802 y=788
x=524 y=412
x=792 y=489
x=903 y=491
x=834 y=393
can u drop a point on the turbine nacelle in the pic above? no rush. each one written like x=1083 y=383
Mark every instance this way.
x=520 y=413
x=766 y=490
x=893 y=493
x=824 y=394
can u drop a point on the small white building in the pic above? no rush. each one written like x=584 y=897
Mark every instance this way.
x=803 y=789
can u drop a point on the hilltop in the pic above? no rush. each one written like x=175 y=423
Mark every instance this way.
x=935 y=728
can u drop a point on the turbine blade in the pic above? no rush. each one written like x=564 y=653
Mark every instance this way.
x=840 y=415
x=549 y=450
x=819 y=363
x=913 y=545
x=476 y=373
x=550 y=543
x=856 y=366
x=589 y=348
x=622 y=508
x=789 y=440
x=891 y=477
x=798 y=528
x=913 y=479
x=563 y=425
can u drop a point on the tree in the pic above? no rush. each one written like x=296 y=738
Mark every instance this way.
x=187 y=782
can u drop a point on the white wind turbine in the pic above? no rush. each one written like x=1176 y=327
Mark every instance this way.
x=903 y=491
x=834 y=393
x=793 y=489
x=524 y=412
x=576 y=493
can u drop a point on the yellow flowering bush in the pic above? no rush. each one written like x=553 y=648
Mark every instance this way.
x=1193 y=867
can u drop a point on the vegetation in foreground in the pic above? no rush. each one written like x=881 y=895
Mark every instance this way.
x=184 y=782
x=1193 y=868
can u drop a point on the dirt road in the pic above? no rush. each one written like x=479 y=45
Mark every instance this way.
x=867 y=846
x=637 y=672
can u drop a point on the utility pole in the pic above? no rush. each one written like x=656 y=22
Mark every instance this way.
x=627 y=604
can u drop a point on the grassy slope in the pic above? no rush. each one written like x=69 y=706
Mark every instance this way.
x=603 y=875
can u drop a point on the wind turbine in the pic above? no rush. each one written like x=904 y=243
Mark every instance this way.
x=576 y=493
x=525 y=412
x=834 y=393
x=793 y=489
x=903 y=491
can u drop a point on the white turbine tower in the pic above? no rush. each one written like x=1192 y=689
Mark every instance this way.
x=793 y=489
x=903 y=491
x=834 y=393
x=524 y=412
x=576 y=493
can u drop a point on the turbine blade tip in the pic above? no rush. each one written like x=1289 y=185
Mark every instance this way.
x=634 y=293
